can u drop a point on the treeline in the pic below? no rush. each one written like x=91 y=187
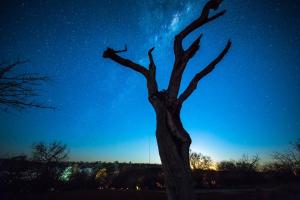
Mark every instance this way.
x=19 y=174
x=247 y=171
x=48 y=170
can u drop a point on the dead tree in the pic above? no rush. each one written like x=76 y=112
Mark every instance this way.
x=172 y=139
x=16 y=91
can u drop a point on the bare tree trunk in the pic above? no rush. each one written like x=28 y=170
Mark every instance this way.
x=172 y=139
x=173 y=144
x=174 y=160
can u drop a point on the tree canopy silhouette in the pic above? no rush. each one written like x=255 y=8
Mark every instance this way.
x=245 y=164
x=199 y=161
x=288 y=161
x=172 y=139
x=53 y=152
x=17 y=90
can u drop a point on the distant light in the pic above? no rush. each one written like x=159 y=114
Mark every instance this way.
x=101 y=174
x=66 y=175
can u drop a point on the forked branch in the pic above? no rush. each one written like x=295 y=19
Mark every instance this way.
x=200 y=21
x=182 y=56
x=149 y=74
x=193 y=84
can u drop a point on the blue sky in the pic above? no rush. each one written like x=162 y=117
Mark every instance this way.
x=249 y=104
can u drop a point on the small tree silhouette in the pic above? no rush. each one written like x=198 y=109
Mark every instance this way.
x=54 y=152
x=289 y=161
x=172 y=139
x=245 y=164
x=48 y=156
x=200 y=162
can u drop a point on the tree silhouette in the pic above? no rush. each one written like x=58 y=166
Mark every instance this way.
x=199 y=161
x=53 y=152
x=172 y=139
x=288 y=161
x=17 y=90
x=48 y=157
x=244 y=164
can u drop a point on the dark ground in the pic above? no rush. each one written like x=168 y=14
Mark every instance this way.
x=286 y=192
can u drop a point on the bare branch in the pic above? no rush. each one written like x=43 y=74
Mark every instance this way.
x=152 y=66
x=191 y=51
x=16 y=91
x=151 y=81
x=148 y=74
x=5 y=69
x=26 y=77
x=112 y=54
x=183 y=56
x=120 y=51
x=193 y=84
x=200 y=21
x=22 y=105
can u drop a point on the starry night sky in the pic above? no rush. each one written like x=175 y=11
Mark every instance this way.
x=250 y=104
